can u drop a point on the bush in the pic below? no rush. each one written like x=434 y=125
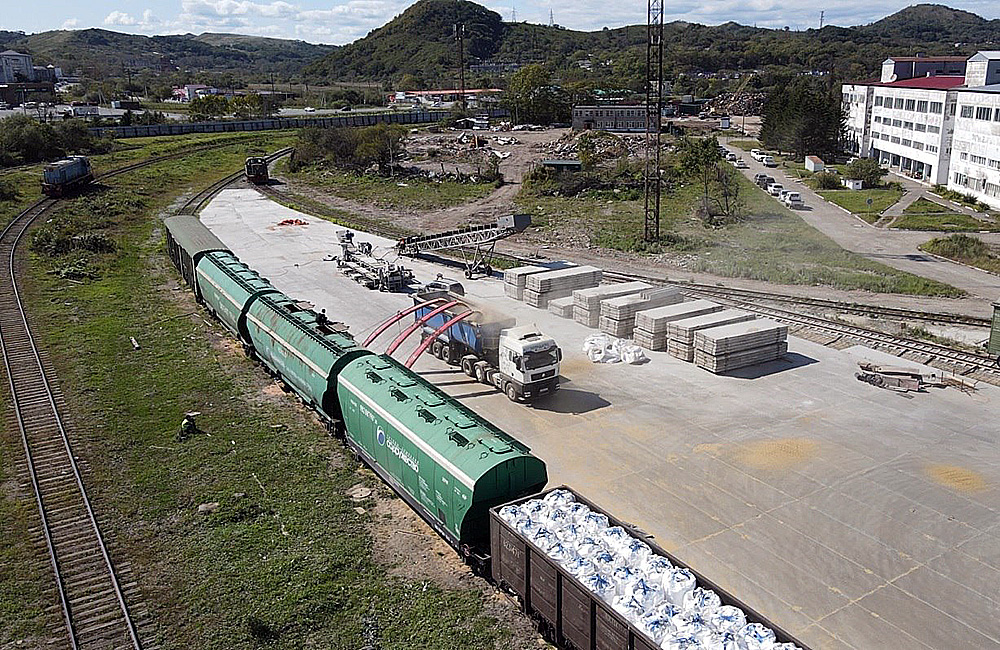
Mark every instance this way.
x=8 y=190
x=827 y=181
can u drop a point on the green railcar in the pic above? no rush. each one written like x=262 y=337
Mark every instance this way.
x=447 y=462
x=994 y=343
x=301 y=347
x=227 y=286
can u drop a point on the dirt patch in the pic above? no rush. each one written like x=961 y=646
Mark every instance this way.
x=765 y=455
x=957 y=478
x=411 y=550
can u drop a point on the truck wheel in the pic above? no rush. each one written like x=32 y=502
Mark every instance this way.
x=446 y=355
x=469 y=365
x=435 y=349
x=480 y=369
x=511 y=392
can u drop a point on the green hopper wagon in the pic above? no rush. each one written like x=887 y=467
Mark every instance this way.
x=227 y=286
x=447 y=462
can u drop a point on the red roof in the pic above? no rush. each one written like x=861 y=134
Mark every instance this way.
x=938 y=82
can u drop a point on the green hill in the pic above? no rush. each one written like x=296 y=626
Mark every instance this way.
x=420 y=42
x=100 y=51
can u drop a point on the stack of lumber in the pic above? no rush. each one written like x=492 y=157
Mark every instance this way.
x=515 y=279
x=587 y=302
x=540 y=288
x=618 y=314
x=562 y=307
x=728 y=347
x=651 y=324
x=680 y=333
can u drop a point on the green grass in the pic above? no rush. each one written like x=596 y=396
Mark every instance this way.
x=772 y=244
x=926 y=206
x=286 y=562
x=745 y=145
x=967 y=250
x=855 y=201
x=390 y=193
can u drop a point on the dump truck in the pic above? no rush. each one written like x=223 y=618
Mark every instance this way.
x=520 y=361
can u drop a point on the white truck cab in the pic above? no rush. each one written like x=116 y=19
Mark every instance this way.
x=529 y=363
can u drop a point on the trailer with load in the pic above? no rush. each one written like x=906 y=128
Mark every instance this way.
x=64 y=176
x=593 y=583
x=255 y=168
x=520 y=361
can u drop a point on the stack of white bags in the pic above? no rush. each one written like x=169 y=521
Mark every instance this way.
x=659 y=599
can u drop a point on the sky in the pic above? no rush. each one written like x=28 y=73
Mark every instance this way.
x=342 y=21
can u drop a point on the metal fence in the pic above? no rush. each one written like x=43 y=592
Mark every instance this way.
x=357 y=119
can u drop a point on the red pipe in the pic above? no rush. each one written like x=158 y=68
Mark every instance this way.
x=430 y=339
x=395 y=318
x=412 y=328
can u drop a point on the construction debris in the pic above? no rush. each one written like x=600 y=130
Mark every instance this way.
x=293 y=222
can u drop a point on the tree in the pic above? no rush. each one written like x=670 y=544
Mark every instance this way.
x=24 y=140
x=698 y=159
x=532 y=97
x=803 y=118
x=867 y=170
x=208 y=107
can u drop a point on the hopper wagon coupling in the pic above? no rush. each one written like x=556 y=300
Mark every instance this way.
x=477 y=243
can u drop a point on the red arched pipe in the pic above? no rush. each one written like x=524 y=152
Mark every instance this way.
x=412 y=328
x=430 y=339
x=395 y=318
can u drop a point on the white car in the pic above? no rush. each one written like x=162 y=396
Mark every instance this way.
x=731 y=157
x=768 y=161
x=793 y=200
x=309 y=109
x=739 y=163
x=755 y=154
x=774 y=189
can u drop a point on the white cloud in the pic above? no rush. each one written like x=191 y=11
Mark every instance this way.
x=70 y=23
x=120 y=18
x=220 y=8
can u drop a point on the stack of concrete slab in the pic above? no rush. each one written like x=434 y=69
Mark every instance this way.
x=587 y=302
x=515 y=279
x=540 y=288
x=729 y=347
x=651 y=324
x=562 y=307
x=680 y=333
x=618 y=314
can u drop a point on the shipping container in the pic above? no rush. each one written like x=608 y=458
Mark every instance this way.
x=570 y=614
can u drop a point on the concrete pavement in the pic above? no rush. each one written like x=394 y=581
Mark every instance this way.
x=851 y=516
x=895 y=248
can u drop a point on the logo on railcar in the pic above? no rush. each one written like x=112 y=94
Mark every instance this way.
x=402 y=454
x=380 y=436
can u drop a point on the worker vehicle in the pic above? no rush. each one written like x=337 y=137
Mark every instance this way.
x=64 y=176
x=521 y=362
x=255 y=168
x=768 y=161
x=445 y=461
x=569 y=613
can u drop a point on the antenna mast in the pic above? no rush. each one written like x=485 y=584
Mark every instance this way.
x=654 y=112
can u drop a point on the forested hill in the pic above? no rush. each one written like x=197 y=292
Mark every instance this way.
x=420 y=42
x=101 y=52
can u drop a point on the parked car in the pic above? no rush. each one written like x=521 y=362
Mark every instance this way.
x=764 y=181
x=739 y=163
x=774 y=189
x=730 y=156
x=309 y=109
x=793 y=200
x=755 y=154
x=768 y=161
x=757 y=178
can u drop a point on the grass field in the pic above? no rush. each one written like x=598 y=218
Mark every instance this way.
x=392 y=194
x=967 y=250
x=286 y=561
x=745 y=145
x=924 y=214
x=772 y=244
x=926 y=206
x=855 y=201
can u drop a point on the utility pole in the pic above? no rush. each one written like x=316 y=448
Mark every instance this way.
x=654 y=113
x=460 y=40
x=551 y=19
x=821 y=15
x=513 y=14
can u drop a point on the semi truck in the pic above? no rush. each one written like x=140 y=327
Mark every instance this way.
x=522 y=362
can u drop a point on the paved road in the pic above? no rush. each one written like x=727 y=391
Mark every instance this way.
x=854 y=517
x=895 y=248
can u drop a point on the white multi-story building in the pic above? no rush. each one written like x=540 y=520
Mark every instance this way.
x=975 y=158
x=16 y=67
x=857 y=101
x=911 y=126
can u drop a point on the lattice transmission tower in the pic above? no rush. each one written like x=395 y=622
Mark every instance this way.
x=654 y=111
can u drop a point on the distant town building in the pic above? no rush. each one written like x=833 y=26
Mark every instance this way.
x=190 y=92
x=16 y=67
x=627 y=118
x=936 y=119
x=488 y=68
x=440 y=98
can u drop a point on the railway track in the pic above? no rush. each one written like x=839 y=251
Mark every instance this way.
x=93 y=595
x=193 y=205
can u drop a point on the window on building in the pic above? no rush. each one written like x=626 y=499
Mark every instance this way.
x=995 y=164
x=933 y=129
x=984 y=113
x=979 y=160
x=936 y=107
x=908 y=125
x=918 y=146
x=966 y=111
x=906 y=143
x=911 y=104
x=878 y=100
x=920 y=127
x=932 y=148
x=898 y=103
x=951 y=108
x=922 y=106
x=894 y=139
x=993 y=189
x=897 y=122
x=963 y=156
x=996 y=115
